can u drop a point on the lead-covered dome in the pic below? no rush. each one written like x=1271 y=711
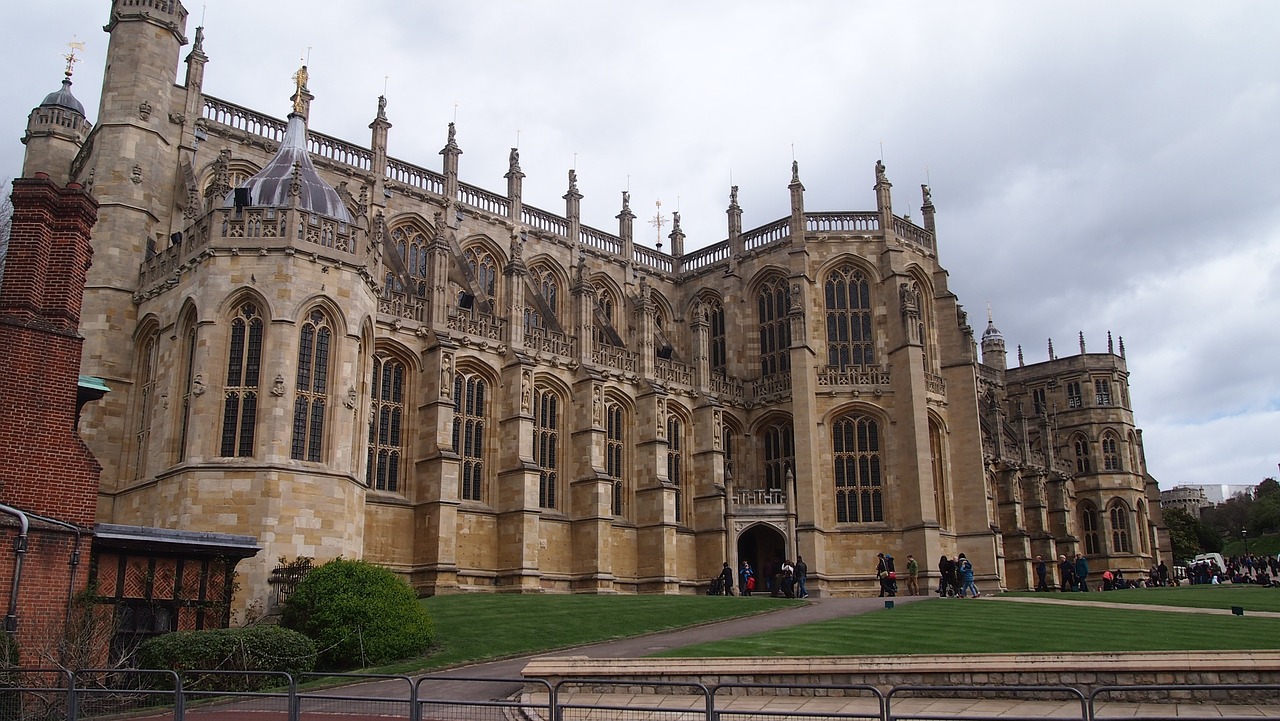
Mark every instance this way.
x=270 y=187
x=63 y=98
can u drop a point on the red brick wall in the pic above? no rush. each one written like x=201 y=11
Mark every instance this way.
x=46 y=587
x=45 y=468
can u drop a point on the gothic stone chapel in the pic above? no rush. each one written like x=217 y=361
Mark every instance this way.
x=341 y=353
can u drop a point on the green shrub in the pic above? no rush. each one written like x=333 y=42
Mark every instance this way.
x=358 y=614
x=257 y=648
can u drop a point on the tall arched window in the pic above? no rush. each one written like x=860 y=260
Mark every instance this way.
x=676 y=467
x=858 y=481
x=848 y=301
x=546 y=285
x=1110 y=452
x=605 y=305
x=1118 y=515
x=729 y=441
x=386 y=421
x=411 y=244
x=614 y=450
x=1081 y=446
x=546 y=444
x=779 y=447
x=148 y=358
x=1143 y=526
x=1089 y=526
x=468 y=433
x=312 y=395
x=941 y=494
x=715 y=317
x=485 y=271
x=775 y=330
x=244 y=366
x=189 y=381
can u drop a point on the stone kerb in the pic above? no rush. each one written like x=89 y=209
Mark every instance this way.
x=1084 y=671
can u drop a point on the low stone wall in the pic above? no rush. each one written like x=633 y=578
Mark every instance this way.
x=1083 y=671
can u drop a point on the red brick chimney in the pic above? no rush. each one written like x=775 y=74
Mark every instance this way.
x=44 y=466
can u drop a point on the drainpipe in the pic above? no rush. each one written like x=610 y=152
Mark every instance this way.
x=19 y=552
x=74 y=563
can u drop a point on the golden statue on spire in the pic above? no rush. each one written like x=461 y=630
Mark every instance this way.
x=300 y=79
x=71 y=56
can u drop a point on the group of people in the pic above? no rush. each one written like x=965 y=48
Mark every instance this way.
x=1252 y=568
x=1074 y=574
x=783 y=579
x=955 y=577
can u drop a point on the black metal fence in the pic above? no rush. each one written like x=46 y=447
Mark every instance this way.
x=89 y=695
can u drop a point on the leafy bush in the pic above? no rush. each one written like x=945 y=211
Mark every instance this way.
x=358 y=614
x=257 y=648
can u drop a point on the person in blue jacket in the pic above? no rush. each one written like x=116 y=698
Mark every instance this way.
x=1082 y=571
x=746 y=579
x=965 y=569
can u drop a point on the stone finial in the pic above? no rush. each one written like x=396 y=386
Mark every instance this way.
x=1082 y=343
x=1021 y=362
x=1051 y=356
x=1111 y=347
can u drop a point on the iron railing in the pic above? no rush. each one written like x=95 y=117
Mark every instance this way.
x=44 y=693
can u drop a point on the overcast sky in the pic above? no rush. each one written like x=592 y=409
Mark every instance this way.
x=1096 y=166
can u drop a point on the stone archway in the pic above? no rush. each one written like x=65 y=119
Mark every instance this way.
x=763 y=546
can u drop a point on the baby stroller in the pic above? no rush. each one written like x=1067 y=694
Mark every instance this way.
x=717 y=587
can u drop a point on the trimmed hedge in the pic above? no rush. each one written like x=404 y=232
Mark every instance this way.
x=256 y=648
x=359 y=614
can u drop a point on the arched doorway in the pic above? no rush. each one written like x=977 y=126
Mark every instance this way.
x=763 y=546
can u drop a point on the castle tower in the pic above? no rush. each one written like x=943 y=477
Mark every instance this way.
x=56 y=129
x=132 y=167
x=993 y=353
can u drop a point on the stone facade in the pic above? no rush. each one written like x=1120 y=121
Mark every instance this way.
x=483 y=395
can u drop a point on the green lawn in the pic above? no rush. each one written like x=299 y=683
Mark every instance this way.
x=1250 y=598
x=966 y=626
x=473 y=627
x=1268 y=545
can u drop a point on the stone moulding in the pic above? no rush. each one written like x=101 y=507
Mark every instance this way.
x=1084 y=671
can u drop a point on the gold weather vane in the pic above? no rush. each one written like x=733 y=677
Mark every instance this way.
x=658 y=221
x=71 y=56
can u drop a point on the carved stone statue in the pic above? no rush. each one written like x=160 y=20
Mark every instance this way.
x=927 y=194
x=880 y=176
